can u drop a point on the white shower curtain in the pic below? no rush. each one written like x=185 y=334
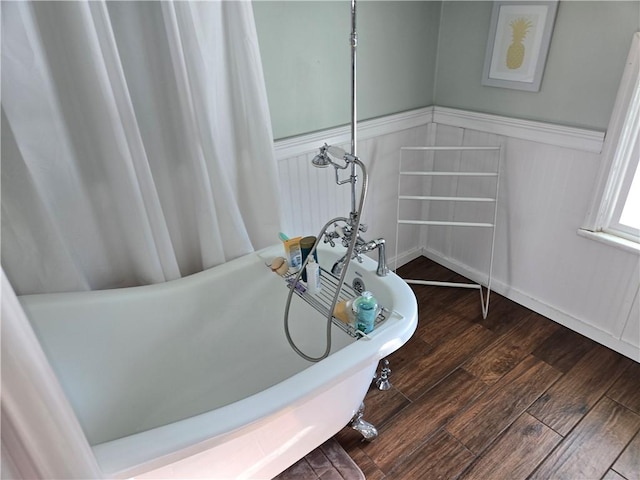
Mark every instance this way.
x=41 y=437
x=136 y=142
x=136 y=148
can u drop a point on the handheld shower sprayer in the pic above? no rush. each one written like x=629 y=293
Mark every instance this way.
x=351 y=224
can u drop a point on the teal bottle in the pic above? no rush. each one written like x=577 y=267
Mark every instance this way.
x=366 y=310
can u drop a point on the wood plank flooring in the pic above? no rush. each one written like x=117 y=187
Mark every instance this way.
x=514 y=396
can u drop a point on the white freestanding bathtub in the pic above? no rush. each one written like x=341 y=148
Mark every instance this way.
x=194 y=378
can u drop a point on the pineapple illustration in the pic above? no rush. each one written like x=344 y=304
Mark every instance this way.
x=515 y=53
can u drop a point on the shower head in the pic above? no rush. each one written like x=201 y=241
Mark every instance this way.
x=322 y=160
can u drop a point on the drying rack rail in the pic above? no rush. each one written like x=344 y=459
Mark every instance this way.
x=322 y=300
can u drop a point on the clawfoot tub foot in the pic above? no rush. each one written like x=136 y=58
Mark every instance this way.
x=368 y=431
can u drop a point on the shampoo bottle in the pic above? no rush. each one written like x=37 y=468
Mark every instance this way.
x=293 y=253
x=366 y=310
x=313 y=276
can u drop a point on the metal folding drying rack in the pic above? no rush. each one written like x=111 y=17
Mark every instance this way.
x=322 y=300
x=434 y=174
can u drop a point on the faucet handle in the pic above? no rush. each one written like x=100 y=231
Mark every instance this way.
x=329 y=236
x=363 y=227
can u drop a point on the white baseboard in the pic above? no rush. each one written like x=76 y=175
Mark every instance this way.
x=403 y=258
x=538 y=306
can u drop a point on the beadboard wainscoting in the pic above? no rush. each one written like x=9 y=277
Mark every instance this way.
x=310 y=196
x=547 y=177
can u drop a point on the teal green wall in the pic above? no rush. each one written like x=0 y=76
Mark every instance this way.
x=306 y=56
x=588 y=49
x=413 y=54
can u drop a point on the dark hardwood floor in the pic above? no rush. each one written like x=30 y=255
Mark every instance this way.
x=515 y=396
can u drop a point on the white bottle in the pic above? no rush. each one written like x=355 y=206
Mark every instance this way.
x=313 y=276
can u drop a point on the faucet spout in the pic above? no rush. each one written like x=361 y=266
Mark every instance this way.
x=363 y=247
x=383 y=269
x=339 y=265
x=379 y=244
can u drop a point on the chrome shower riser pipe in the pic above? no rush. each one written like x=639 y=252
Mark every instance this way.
x=354 y=216
x=354 y=109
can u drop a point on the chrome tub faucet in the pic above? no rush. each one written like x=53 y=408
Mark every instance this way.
x=346 y=234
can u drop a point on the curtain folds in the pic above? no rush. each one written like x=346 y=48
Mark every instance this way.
x=136 y=148
x=136 y=142
x=41 y=437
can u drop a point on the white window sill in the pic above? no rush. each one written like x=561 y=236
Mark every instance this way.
x=612 y=240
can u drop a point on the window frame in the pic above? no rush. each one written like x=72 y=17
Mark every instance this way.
x=619 y=161
x=615 y=226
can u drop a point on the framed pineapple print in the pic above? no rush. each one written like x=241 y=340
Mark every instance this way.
x=519 y=39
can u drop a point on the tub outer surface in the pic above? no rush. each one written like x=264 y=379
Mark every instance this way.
x=194 y=378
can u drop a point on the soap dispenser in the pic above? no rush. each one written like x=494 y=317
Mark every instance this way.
x=366 y=311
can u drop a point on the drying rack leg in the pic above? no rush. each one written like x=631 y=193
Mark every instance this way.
x=484 y=302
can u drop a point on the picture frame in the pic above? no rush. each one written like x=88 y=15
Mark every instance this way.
x=518 y=44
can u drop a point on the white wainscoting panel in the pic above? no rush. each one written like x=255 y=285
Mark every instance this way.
x=547 y=179
x=311 y=198
x=631 y=332
x=540 y=261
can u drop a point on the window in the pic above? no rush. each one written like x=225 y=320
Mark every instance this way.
x=614 y=216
